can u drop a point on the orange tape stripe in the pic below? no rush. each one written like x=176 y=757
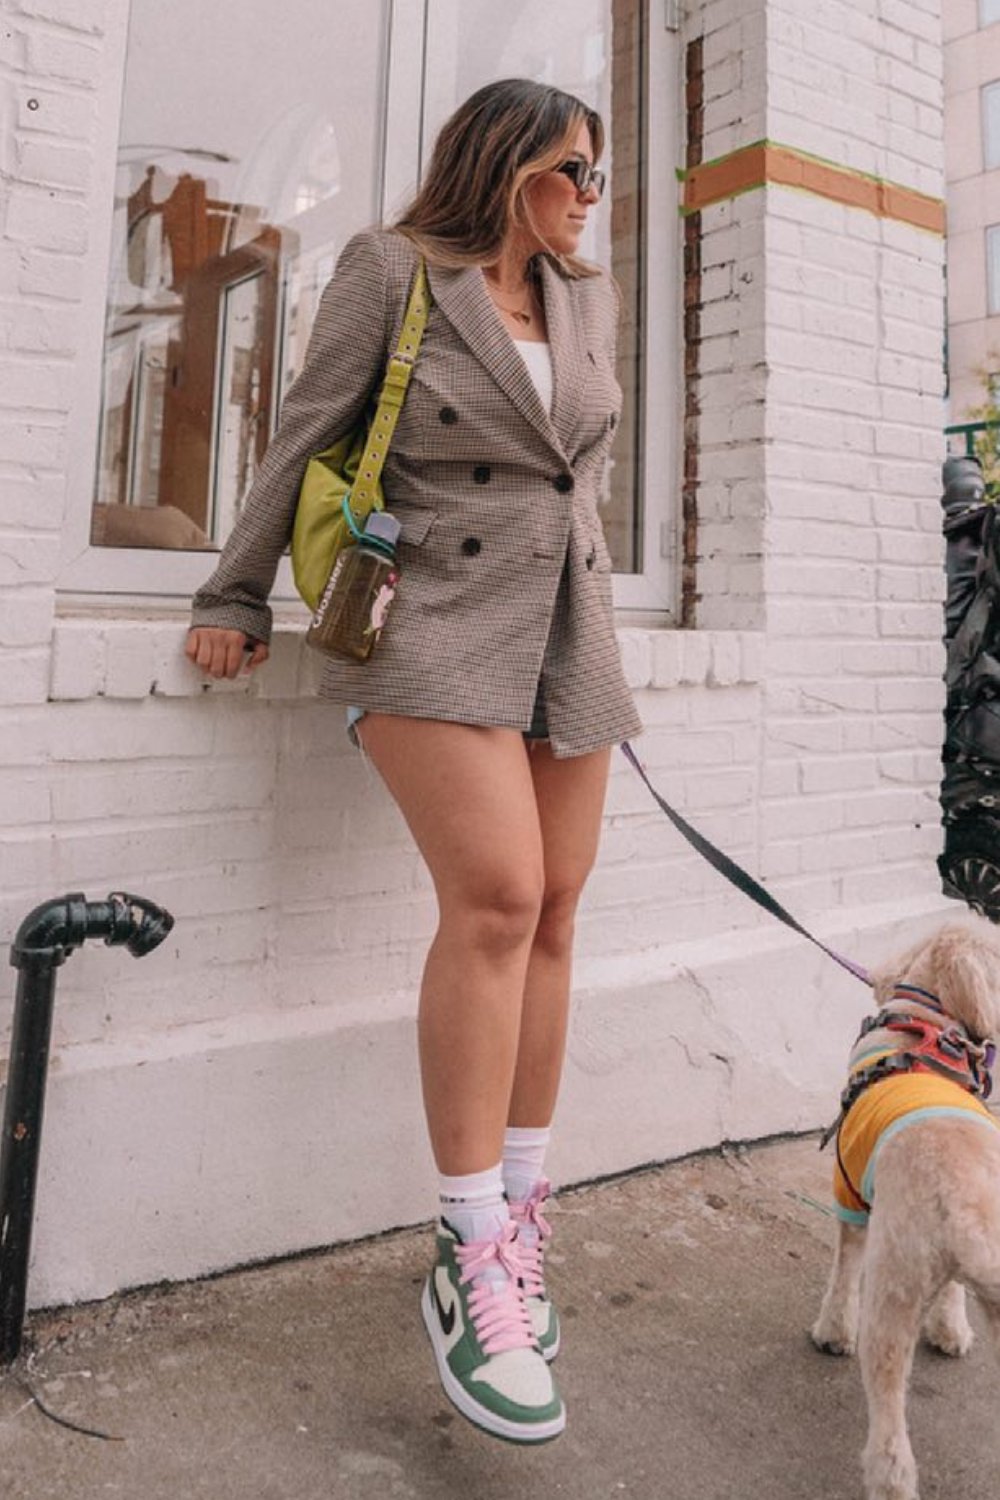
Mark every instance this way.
x=753 y=166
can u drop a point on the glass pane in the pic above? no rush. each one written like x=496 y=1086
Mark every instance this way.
x=989 y=12
x=991 y=126
x=238 y=395
x=248 y=155
x=594 y=49
x=993 y=269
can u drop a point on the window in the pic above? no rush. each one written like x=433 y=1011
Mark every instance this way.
x=603 y=53
x=993 y=270
x=991 y=126
x=236 y=188
x=470 y=43
x=989 y=12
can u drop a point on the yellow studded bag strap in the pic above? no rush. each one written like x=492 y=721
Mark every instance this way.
x=365 y=495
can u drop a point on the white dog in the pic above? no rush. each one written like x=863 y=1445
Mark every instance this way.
x=931 y=1182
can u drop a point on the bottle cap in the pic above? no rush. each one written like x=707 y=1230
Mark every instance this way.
x=384 y=527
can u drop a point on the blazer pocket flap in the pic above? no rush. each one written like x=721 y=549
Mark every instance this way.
x=416 y=521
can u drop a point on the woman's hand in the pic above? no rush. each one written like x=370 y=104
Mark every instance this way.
x=221 y=653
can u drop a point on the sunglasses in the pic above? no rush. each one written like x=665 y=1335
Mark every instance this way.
x=583 y=175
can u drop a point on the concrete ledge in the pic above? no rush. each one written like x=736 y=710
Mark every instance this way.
x=132 y=657
x=222 y=1144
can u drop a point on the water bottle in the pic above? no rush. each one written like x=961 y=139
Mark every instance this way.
x=355 y=602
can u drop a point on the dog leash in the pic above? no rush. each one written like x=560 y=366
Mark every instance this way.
x=737 y=876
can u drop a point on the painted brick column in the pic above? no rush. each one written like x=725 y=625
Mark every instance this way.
x=820 y=418
x=725 y=370
x=49 y=58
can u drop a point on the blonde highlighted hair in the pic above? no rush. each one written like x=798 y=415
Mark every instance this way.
x=486 y=154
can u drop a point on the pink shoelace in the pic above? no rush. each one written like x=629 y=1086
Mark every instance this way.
x=528 y=1216
x=496 y=1303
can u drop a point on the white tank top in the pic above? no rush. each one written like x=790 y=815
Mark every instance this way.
x=538 y=358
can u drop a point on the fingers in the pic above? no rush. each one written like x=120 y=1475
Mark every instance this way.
x=220 y=653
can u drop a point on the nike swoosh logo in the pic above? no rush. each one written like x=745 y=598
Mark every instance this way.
x=445 y=1315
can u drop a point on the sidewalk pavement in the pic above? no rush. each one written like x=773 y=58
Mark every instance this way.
x=686 y=1292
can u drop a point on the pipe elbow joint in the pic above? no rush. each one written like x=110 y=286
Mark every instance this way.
x=55 y=929
x=50 y=933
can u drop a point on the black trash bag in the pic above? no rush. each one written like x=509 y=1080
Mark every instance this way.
x=965 y=514
x=970 y=788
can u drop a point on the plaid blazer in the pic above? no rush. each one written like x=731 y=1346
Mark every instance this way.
x=505 y=574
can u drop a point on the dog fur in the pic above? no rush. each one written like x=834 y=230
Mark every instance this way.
x=934 y=1228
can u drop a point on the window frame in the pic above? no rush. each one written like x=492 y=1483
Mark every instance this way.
x=165 y=578
x=655 y=587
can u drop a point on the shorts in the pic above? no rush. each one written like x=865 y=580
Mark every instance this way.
x=537 y=730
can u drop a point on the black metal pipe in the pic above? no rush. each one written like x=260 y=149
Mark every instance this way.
x=45 y=939
x=22 y=1126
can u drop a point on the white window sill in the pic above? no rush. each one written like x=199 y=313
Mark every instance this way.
x=136 y=656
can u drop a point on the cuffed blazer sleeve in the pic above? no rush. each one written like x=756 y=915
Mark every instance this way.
x=344 y=364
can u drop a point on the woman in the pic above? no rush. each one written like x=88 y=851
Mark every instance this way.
x=496 y=692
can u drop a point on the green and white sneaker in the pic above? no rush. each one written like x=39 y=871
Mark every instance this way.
x=480 y=1328
x=533 y=1233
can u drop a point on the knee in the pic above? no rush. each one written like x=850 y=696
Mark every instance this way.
x=556 y=920
x=500 y=916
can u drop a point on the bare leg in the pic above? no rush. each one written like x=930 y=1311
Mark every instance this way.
x=836 y=1329
x=570 y=799
x=468 y=797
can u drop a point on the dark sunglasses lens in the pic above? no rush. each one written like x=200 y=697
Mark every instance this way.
x=584 y=176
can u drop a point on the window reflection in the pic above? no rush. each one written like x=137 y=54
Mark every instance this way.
x=189 y=364
x=237 y=187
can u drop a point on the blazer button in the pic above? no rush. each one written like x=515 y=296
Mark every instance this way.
x=481 y=473
x=472 y=546
x=448 y=415
x=563 y=483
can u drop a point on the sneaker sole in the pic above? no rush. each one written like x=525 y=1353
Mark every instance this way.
x=481 y=1416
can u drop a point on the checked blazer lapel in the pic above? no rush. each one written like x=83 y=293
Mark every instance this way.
x=462 y=297
x=569 y=354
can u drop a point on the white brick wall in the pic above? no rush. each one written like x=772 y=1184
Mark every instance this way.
x=823 y=330
x=798 y=725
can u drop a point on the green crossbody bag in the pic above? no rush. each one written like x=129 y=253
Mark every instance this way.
x=342 y=484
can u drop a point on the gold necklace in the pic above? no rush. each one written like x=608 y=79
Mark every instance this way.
x=524 y=313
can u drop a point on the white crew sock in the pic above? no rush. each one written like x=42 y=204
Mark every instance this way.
x=524 y=1150
x=475 y=1205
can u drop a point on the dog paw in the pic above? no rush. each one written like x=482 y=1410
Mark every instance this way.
x=890 y=1474
x=945 y=1339
x=833 y=1341
x=945 y=1324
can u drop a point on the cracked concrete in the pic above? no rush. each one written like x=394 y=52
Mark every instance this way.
x=686 y=1292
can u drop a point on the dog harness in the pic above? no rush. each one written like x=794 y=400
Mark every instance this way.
x=910 y=1062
